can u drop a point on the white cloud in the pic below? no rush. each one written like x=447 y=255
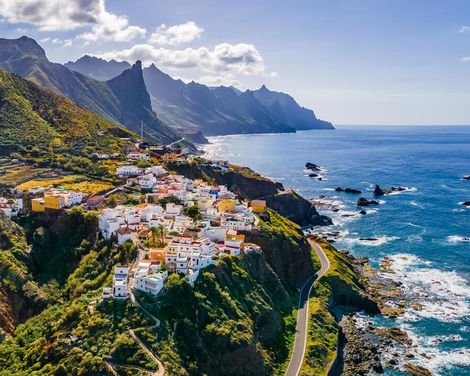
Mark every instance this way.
x=60 y=15
x=465 y=59
x=64 y=42
x=176 y=35
x=464 y=29
x=219 y=81
x=223 y=58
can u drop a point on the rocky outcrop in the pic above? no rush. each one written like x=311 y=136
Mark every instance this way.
x=348 y=190
x=381 y=192
x=466 y=177
x=249 y=185
x=365 y=202
x=466 y=203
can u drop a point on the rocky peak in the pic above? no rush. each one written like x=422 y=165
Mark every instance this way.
x=23 y=46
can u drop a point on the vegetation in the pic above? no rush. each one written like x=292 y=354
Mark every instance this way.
x=50 y=130
x=236 y=319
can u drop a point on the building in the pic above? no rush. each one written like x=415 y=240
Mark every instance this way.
x=258 y=206
x=128 y=171
x=147 y=182
x=56 y=200
x=225 y=205
x=136 y=156
x=149 y=278
x=11 y=207
x=94 y=202
x=120 y=279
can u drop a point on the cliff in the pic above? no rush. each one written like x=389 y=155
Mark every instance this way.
x=249 y=186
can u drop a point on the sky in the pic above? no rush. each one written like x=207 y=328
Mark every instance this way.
x=382 y=62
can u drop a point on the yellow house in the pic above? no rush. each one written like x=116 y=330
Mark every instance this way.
x=55 y=202
x=258 y=206
x=38 y=205
x=226 y=205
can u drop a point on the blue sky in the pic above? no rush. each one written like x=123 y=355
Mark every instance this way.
x=353 y=62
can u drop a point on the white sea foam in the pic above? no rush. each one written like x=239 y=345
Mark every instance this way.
x=405 y=190
x=458 y=239
x=442 y=295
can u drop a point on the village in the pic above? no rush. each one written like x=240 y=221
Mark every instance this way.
x=179 y=225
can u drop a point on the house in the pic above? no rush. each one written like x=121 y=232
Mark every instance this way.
x=94 y=202
x=120 y=279
x=158 y=255
x=258 y=206
x=147 y=182
x=137 y=156
x=107 y=293
x=38 y=205
x=225 y=205
x=128 y=171
x=11 y=207
x=149 y=278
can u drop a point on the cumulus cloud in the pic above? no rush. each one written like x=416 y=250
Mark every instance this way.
x=464 y=29
x=234 y=58
x=59 y=15
x=465 y=59
x=228 y=80
x=176 y=35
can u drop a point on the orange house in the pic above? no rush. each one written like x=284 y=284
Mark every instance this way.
x=158 y=254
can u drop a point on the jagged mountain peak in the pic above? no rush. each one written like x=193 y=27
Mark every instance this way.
x=24 y=45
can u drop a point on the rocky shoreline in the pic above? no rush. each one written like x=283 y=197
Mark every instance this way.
x=365 y=348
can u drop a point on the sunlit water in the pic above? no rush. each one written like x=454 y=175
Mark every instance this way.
x=423 y=230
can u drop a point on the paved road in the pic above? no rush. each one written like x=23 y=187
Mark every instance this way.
x=301 y=329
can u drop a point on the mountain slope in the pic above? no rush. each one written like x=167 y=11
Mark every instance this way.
x=213 y=111
x=195 y=107
x=27 y=59
x=97 y=68
x=283 y=107
x=32 y=118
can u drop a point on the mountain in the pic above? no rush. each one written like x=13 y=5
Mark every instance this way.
x=213 y=111
x=27 y=59
x=195 y=107
x=97 y=68
x=33 y=120
x=284 y=108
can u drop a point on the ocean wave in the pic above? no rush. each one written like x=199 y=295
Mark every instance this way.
x=414 y=238
x=418 y=205
x=372 y=241
x=438 y=294
x=452 y=239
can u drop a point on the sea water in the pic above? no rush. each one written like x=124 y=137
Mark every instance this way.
x=424 y=230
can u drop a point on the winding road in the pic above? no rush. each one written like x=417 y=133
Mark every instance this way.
x=301 y=329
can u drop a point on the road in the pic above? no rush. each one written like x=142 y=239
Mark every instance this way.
x=301 y=329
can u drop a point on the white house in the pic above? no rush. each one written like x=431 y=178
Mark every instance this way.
x=148 y=278
x=128 y=171
x=147 y=182
x=138 y=156
x=121 y=276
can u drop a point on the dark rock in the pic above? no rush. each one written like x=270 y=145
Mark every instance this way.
x=365 y=202
x=378 y=191
x=368 y=239
x=466 y=177
x=466 y=203
x=313 y=175
x=363 y=212
x=348 y=190
x=312 y=167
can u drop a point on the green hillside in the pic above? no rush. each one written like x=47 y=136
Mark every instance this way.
x=40 y=124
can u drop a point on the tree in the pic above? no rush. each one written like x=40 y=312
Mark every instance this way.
x=154 y=232
x=162 y=230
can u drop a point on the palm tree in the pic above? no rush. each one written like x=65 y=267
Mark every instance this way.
x=154 y=232
x=162 y=230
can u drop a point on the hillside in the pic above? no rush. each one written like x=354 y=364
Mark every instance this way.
x=24 y=57
x=38 y=123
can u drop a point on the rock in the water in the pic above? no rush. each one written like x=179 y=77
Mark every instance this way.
x=365 y=202
x=466 y=177
x=312 y=167
x=466 y=203
x=378 y=191
x=348 y=190
x=362 y=212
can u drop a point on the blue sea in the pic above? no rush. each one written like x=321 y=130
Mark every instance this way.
x=424 y=230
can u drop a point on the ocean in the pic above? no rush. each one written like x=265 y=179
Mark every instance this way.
x=425 y=229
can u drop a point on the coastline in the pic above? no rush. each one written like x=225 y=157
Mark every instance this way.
x=433 y=355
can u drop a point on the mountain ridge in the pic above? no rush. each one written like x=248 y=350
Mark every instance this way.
x=215 y=110
x=24 y=57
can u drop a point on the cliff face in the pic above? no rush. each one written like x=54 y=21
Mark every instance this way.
x=250 y=185
x=20 y=296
